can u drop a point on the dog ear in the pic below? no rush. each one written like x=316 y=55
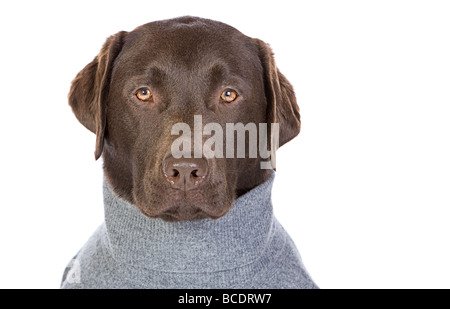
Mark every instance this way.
x=282 y=105
x=90 y=89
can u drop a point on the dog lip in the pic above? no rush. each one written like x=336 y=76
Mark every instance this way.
x=179 y=205
x=174 y=216
x=172 y=213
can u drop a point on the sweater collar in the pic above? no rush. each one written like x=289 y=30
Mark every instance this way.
x=206 y=245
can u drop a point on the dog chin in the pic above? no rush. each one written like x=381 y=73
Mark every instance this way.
x=175 y=217
x=182 y=210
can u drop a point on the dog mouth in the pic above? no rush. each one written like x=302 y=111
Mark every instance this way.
x=175 y=216
x=183 y=212
x=186 y=206
x=156 y=197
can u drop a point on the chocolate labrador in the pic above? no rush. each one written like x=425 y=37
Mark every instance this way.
x=144 y=82
x=178 y=216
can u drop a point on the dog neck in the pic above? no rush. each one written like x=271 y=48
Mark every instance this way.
x=206 y=245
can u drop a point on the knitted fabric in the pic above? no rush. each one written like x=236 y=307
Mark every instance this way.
x=247 y=248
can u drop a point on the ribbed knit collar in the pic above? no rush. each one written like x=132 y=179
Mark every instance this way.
x=206 y=245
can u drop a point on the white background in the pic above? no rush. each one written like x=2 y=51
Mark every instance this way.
x=364 y=190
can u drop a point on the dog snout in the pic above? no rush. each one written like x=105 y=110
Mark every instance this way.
x=185 y=174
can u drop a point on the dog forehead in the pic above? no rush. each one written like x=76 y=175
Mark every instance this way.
x=186 y=32
x=187 y=42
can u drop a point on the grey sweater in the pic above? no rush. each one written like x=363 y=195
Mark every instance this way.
x=247 y=248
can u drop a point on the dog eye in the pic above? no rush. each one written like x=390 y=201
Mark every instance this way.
x=144 y=94
x=229 y=96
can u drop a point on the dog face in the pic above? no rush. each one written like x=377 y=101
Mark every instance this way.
x=145 y=82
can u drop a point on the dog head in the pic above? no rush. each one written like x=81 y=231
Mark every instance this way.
x=147 y=87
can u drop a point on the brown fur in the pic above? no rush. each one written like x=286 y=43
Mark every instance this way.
x=187 y=63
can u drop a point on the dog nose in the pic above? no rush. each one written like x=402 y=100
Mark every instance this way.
x=185 y=174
